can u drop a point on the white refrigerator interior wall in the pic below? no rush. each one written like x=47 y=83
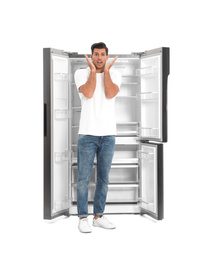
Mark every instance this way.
x=185 y=27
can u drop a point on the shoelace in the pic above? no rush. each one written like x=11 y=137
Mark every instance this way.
x=84 y=219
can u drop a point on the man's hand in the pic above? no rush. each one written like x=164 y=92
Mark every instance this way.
x=109 y=65
x=111 y=89
x=91 y=65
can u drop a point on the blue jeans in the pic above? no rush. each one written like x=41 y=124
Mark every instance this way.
x=89 y=146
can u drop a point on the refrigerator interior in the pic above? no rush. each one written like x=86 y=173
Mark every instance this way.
x=132 y=181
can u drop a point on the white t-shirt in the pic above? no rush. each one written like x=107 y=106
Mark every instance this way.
x=98 y=112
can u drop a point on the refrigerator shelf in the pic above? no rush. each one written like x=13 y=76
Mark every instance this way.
x=76 y=109
x=127 y=133
x=60 y=205
x=145 y=155
x=63 y=114
x=126 y=123
x=149 y=96
x=125 y=161
x=115 y=166
x=127 y=129
x=120 y=96
x=129 y=80
x=62 y=156
x=147 y=71
x=148 y=132
x=147 y=206
x=114 y=161
x=119 y=174
x=113 y=185
x=129 y=83
x=123 y=174
x=126 y=140
x=62 y=77
x=116 y=193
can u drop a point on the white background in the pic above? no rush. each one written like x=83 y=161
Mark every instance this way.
x=26 y=27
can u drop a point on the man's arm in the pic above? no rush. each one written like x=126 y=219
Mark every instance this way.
x=111 y=89
x=88 y=88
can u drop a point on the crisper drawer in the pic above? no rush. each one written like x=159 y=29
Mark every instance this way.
x=123 y=174
x=122 y=193
x=125 y=193
x=91 y=192
x=74 y=176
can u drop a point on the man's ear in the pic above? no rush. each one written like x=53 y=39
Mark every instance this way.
x=107 y=57
x=91 y=56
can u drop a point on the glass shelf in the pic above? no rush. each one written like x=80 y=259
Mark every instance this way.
x=127 y=133
x=125 y=161
x=120 y=96
x=126 y=123
x=77 y=109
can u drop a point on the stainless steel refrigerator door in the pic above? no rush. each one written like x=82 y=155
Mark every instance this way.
x=57 y=156
x=151 y=179
x=152 y=95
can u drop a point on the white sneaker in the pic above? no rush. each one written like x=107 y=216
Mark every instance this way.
x=103 y=222
x=84 y=226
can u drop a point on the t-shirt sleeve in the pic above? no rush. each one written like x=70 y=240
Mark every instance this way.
x=81 y=76
x=116 y=77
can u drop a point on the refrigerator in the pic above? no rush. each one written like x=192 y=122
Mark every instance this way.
x=136 y=175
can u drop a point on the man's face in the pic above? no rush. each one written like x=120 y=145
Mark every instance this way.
x=99 y=58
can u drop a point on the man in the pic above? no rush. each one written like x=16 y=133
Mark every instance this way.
x=97 y=86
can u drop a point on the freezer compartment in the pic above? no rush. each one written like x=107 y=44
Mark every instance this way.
x=116 y=193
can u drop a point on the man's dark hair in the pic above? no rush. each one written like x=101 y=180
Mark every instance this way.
x=99 y=45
